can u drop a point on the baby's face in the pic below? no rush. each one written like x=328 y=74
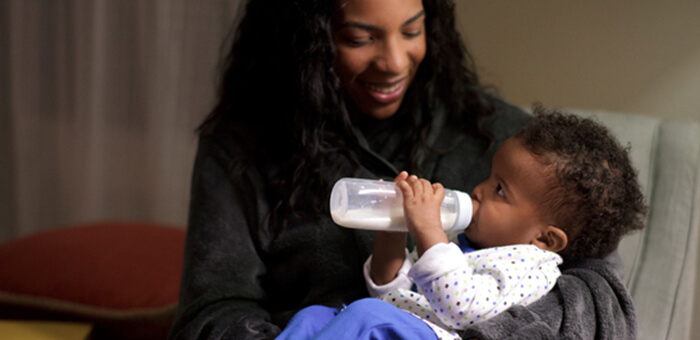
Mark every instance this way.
x=505 y=209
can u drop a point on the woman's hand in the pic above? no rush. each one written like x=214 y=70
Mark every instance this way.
x=421 y=203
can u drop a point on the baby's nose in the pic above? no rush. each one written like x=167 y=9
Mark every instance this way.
x=475 y=204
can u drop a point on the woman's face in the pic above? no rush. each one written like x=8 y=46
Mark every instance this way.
x=379 y=46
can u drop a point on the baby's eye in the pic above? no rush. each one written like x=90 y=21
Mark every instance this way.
x=499 y=191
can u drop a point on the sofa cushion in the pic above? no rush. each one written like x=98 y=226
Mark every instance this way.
x=661 y=260
x=123 y=277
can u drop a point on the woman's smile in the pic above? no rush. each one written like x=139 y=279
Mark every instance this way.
x=386 y=92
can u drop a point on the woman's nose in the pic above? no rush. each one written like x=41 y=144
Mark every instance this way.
x=393 y=57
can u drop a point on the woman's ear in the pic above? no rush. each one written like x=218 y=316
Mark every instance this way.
x=552 y=238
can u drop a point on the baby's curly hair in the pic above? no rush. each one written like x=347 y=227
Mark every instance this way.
x=597 y=198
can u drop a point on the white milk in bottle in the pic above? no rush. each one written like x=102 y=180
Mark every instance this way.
x=377 y=205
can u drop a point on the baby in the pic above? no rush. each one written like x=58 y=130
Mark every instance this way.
x=562 y=189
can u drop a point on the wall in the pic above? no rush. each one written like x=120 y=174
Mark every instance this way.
x=7 y=206
x=633 y=56
x=99 y=101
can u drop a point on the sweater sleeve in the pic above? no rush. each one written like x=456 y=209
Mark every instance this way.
x=467 y=288
x=400 y=281
x=221 y=296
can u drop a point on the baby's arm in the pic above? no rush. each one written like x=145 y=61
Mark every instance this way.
x=421 y=204
x=386 y=269
x=466 y=288
x=388 y=254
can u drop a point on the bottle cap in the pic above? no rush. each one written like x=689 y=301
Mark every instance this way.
x=464 y=211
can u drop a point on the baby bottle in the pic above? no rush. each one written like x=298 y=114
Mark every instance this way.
x=377 y=205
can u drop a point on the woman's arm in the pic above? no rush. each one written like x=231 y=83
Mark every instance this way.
x=220 y=293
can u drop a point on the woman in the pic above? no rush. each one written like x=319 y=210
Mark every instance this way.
x=314 y=91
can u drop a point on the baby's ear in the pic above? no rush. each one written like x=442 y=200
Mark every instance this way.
x=552 y=238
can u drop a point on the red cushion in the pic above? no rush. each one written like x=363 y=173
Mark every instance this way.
x=108 y=270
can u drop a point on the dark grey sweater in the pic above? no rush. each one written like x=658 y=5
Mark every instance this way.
x=243 y=281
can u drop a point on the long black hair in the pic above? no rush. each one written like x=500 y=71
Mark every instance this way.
x=279 y=80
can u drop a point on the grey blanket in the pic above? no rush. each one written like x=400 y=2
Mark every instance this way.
x=588 y=302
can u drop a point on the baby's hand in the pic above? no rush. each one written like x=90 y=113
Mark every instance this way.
x=401 y=177
x=421 y=204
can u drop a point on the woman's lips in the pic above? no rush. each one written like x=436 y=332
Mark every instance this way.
x=385 y=92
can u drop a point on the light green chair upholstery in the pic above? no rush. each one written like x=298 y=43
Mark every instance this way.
x=661 y=260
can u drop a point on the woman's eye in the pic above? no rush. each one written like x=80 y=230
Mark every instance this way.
x=358 y=41
x=412 y=34
x=499 y=191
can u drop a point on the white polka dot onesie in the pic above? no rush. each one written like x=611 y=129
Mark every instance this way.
x=455 y=289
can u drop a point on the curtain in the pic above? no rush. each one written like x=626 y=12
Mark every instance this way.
x=99 y=102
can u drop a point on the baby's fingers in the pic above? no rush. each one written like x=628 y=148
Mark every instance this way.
x=401 y=177
x=426 y=187
x=418 y=186
x=405 y=188
x=438 y=189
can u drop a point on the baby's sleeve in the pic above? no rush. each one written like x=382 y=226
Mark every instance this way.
x=401 y=281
